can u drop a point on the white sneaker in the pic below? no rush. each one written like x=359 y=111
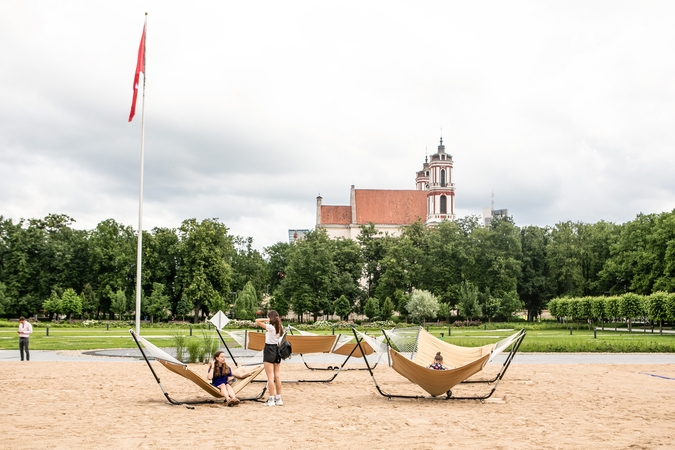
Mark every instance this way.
x=279 y=402
x=269 y=402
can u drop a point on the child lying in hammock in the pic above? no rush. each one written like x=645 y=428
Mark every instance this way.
x=438 y=362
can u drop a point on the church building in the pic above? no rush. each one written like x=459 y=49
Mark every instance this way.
x=432 y=200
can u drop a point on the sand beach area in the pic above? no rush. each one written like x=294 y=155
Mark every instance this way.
x=119 y=405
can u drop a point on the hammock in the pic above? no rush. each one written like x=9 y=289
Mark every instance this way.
x=462 y=362
x=343 y=346
x=179 y=368
x=302 y=344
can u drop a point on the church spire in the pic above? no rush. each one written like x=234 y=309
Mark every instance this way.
x=441 y=147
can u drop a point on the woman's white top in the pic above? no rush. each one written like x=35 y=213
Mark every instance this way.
x=271 y=337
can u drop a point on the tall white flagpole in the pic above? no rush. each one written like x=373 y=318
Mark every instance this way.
x=139 y=252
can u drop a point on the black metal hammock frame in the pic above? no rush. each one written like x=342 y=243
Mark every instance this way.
x=183 y=370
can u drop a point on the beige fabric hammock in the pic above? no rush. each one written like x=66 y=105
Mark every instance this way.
x=435 y=382
x=302 y=344
x=462 y=363
x=185 y=372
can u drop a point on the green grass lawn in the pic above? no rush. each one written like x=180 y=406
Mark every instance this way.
x=537 y=340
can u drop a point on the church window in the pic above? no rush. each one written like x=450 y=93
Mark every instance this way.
x=442 y=178
x=444 y=204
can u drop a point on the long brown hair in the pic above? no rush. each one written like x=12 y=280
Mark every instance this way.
x=219 y=369
x=275 y=320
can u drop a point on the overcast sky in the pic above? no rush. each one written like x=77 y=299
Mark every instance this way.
x=566 y=110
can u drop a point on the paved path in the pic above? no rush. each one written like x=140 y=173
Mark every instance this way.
x=133 y=355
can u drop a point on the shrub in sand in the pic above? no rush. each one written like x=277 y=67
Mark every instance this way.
x=195 y=350
x=209 y=346
x=180 y=341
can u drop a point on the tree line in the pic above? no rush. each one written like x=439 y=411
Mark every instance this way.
x=198 y=268
x=655 y=308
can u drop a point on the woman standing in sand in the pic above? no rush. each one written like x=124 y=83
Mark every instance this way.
x=221 y=376
x=271 y=358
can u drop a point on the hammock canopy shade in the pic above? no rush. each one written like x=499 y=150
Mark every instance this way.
x=182 y=369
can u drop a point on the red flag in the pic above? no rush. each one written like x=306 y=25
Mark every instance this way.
x=140 y=67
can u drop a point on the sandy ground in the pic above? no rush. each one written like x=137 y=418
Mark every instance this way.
x=78 y=405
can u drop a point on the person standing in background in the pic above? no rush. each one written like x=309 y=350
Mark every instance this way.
x=25 y=329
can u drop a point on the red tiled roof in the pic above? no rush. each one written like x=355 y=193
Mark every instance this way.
x=336 y=215
x=390 y=207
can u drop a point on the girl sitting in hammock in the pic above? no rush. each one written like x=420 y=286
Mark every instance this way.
x=221 y=377
x=438 y=362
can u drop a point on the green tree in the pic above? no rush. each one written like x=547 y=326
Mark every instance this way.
x=280 y=303
x=489 y=304
x=348 y=263
x=160 y=263
x=565 y=309
x=310 y=273
x=468 y=305
x=423 y=304
x=509 y=304
x=637 y=257
x=553 y=309
x=448 y=257
x=53 y=305
x=342 y=307
x=249 y=266
x=585 y=309
x=113 y=261
x=404 y=262
x=670 y=306
x=184 y=307
x=71 y=303
x=657 y=309
x=444 y=310
x=158 y=304
x=630 y=306
x=119 y=303
x=598 y=311
x=90 y=301
x=4 y=300
x=564 y=254
x=372 y=309
x=21 y=263
x=612 y=308
x=386 y=309
x=277 y=255
x=374 y=246
x=204 y=274
x=495 y=255
x=534 y=286
x=246 y=305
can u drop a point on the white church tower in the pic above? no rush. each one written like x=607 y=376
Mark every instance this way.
x=436 y=178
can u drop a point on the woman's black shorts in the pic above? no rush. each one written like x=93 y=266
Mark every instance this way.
x=271 y=354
